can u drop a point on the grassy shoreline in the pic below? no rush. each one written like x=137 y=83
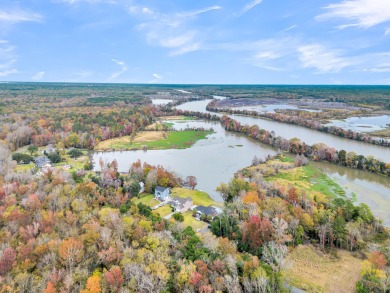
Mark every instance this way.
x=154 y=140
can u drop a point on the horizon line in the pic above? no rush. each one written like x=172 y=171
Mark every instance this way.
x=192 y=84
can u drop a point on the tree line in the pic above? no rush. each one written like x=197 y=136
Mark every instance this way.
x=304 y=122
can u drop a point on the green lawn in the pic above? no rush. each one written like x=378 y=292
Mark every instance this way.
x=173 y=140
x=310 y=178
x=199 y=197
x=75 y=163
x=24 y=167
x=322 y=183
x=163 y=211
x=189 y=220
x=147 y=199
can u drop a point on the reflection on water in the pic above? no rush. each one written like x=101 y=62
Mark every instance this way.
x=161 y=101
x=362 y=124
x=213 y=160
x=272 y=107
x=309 y=136
x=372 y=189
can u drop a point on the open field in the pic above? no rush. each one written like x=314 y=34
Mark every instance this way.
x=189 y=220
x=199 y=197
x=310 y=179
x=146 y=199
x=74 y=163
x=179 y=118
x=163 y=211
x=154 y=140
x=160 y=126
x=315 y=271
x=381 y=133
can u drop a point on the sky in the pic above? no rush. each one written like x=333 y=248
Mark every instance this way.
x=196 y=42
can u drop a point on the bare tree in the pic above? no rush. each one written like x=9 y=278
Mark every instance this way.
x=232 y=284
x=275 y=254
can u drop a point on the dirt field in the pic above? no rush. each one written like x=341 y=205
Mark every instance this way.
x=315 y=271
x=140 y=137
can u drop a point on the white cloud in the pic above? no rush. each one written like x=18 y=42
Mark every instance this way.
x=19 y=15
x=267 y=55
x=322 y=59
x=156 y=78
x=38 y=76
x=360 y=13
x=289 y=28
x=172 y=31
x=200 y=11
x=121 y=63
x=123 y=67
x=378 y=62
x=8 y=72
x=250 y=6
x=381 y=69
x=71 y=2
x=387 y=32
x=272 y=54
x=7 y=59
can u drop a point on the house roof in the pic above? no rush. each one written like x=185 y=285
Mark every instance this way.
x=41 y=161
x=207 y=210
x=181 y=200
x=161 y=189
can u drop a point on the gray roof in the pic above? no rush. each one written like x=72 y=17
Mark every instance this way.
x=42 y=161
x=207 y=210
x=161 y=189
x=181 y=200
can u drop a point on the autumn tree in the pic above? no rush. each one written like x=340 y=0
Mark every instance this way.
x=71 y=252
x=114 y=279
x=191 y=181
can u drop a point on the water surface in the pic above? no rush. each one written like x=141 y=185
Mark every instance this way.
x=306 y=135
x=363 y=124
x=212 y=161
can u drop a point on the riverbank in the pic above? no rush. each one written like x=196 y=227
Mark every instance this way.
x=154 y=140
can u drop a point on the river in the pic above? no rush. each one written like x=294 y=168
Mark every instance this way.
x=216 y=159
x=306 y=135
x=212 y=161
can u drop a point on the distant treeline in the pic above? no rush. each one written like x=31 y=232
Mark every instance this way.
x=308 y=123
x=316 y=152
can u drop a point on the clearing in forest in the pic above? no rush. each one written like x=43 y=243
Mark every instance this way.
x=154 y=140
x=315 y=271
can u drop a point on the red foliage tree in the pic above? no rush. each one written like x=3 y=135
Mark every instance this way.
x=378 y=260
x=7 y=260
x=256 y=231
x=114 y=279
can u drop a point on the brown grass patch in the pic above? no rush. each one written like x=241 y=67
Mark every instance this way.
x=149 y=136
x=315 y=271
x=380 y=133
x=140 y=137
x=174 y=117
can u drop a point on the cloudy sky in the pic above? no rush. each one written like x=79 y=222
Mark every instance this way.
x=181 y=41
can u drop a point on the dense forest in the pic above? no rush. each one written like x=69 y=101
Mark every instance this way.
x=83 y=231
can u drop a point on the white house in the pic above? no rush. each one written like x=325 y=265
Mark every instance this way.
x=162 y=193
x=182 y=204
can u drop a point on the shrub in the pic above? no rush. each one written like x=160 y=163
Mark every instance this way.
x=178 y=217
